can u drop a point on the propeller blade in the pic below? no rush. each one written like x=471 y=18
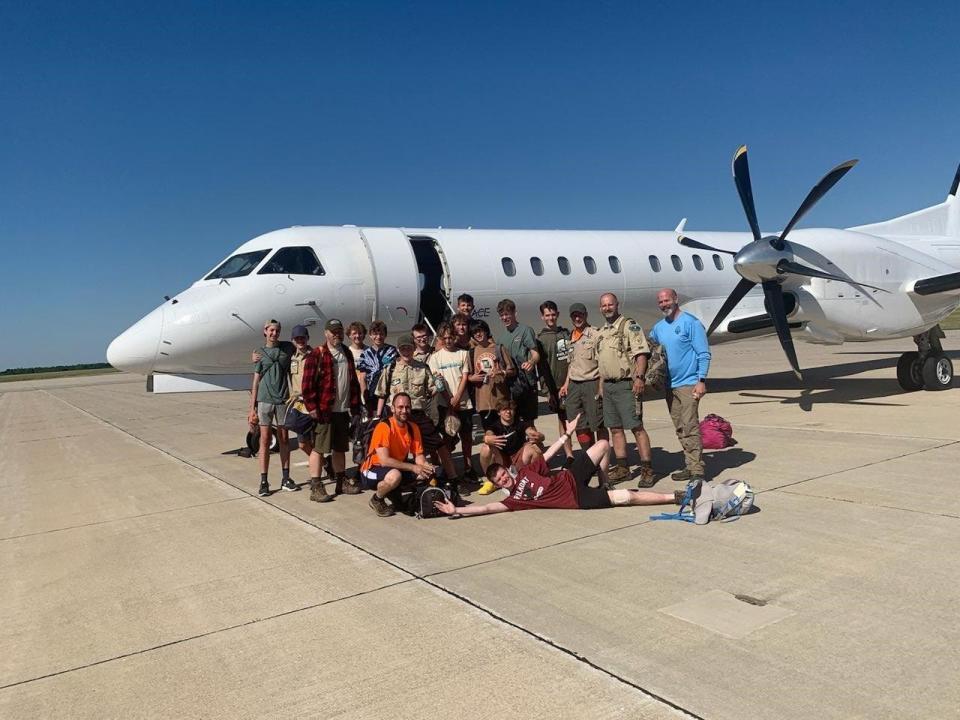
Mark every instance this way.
x=742 y=288
x=774 y=296
x=691 y=243
x=741 y=176
x=819 y=190
x=787 y=266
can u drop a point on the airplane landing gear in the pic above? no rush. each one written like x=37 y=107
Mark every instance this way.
x=928 y=368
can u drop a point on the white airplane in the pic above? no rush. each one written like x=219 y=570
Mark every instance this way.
x=892 y=279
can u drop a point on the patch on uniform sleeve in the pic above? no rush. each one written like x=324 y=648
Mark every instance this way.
x=635 y=328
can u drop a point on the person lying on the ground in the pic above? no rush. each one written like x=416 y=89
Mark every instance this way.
x=535 y=486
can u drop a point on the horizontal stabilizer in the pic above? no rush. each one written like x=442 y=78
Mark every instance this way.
x=938 y=284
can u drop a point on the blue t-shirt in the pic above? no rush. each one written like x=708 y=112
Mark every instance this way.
x=685 y=342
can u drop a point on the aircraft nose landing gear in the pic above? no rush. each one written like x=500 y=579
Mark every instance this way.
x=929 y=368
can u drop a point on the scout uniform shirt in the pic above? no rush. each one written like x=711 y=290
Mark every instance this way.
x=617 y=346
x=414 y=379
x=583 y=355
x=296 y=379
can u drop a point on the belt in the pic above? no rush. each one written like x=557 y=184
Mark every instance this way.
x=617 y=380
x=582 y=381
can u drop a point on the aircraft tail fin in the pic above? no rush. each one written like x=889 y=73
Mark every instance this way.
x=942 y=219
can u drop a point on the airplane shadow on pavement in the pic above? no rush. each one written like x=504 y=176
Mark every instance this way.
x=828 y=384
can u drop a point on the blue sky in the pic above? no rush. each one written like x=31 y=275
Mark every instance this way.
x=141 y=142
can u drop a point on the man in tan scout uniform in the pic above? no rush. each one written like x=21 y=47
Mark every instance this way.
x=301 y=343
x=622 y=354
x=582 y=387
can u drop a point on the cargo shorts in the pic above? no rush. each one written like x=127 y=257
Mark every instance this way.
x=621 y=408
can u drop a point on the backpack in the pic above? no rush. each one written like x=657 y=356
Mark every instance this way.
x=420 y=503
x=716 y=433
x=656 y=375
x=724 y=501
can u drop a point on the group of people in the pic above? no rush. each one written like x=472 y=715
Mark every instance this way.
x=415 y=401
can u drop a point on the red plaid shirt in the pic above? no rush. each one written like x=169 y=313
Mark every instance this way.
x=319 y=389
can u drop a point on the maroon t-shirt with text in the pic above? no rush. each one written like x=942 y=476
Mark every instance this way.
x=537 y=488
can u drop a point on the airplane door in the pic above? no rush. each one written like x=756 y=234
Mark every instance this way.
x=395 y=277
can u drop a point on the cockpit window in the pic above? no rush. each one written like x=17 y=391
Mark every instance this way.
x=293 y=261
x=238 y=265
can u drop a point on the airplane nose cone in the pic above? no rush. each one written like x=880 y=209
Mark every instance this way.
x=135 y=350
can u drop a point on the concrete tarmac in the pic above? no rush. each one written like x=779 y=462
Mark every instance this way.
x=143 y=577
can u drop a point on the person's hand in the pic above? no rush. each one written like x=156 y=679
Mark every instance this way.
x=314 y=414
x=638 y=386
x=699 y=390
x=563 y=391
x=572 y=424
x=425 y=469
x=498 y=441
x=252 y=417
x=528 y=366
x=445 y=506
x=256 y=356
x=553 y=402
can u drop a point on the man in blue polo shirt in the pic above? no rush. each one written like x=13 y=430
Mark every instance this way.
x=684 y=341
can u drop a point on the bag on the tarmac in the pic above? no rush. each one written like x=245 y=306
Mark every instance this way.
x=716 y=433
x=725 y=501
x=422 y=499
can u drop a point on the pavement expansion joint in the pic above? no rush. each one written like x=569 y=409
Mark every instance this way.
x=199 y=636
x=412 y=577
x=860 y=467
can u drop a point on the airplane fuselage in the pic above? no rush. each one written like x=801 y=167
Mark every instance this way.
x=401 y=275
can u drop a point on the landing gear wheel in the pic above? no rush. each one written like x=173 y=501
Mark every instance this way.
x=937 y=372
x=910 y=371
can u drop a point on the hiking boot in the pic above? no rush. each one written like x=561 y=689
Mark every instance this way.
x=380 y=506
x=617 y=474
x=647 y=477
x=289 y=485
x=318 y=493
x=347 y=485
x=682 y=476
x=264 y=488
x=487 y=488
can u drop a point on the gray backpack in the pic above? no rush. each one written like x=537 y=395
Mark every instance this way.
x=724 y=501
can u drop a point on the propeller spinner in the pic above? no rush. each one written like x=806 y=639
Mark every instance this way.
x=768 y=260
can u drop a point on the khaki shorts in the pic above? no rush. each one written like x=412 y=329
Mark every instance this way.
x=333 y=436
x=621 y=409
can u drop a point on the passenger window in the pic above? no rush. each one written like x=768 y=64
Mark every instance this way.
x=238 y=265
x=564 y=265
x=509 y=269
x=614 y=263
x=590 y=265
x=293 y=261
x=655 y=263
x=697 y=262
x=677 y=265
x=718 y=262
x=536 y=265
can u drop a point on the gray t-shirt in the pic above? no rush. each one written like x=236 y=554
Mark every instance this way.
x=274 y=369
x=342 y=368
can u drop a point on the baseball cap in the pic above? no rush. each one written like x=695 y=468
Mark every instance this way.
x=300 y=331
x=333 y=324
x=405 y=340
x=578 y=308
